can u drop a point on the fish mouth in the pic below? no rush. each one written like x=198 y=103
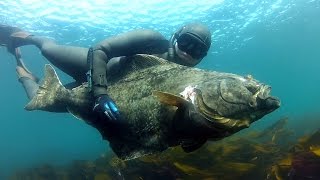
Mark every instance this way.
x=265 y=101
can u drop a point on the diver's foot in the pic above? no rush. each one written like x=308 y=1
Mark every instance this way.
x=12 y=37
x=21 y=72
x=20 y=61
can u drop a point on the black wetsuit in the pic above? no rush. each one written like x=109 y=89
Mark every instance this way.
x=128 y=44
x=73 y=60
x=109 y=56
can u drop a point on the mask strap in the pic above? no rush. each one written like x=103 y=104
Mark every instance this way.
x=173 y=38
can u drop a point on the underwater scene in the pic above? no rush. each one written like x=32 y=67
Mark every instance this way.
x=248 y=110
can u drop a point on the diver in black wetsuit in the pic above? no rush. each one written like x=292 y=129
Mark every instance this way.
x=187 y=47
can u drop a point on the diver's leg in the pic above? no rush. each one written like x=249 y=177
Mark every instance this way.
x=10 y=36
x=25 y=77
x=70 y=59
x=29 y=84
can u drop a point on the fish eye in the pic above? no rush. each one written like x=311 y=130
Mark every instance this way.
x=252 y=103
x=252 y=87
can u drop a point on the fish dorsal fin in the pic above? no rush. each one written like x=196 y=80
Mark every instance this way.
x=138 y=62
x=170 y=99
x=142 y=61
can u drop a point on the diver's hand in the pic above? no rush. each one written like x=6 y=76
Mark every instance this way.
x=107 y=108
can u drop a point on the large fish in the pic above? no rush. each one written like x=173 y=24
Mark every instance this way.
x=163 y=105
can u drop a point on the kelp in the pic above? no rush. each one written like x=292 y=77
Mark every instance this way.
x=272 y=153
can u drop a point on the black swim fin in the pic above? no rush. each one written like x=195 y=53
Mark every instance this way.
x=12 y=37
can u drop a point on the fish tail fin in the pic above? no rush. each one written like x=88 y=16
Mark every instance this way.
x=49 y=93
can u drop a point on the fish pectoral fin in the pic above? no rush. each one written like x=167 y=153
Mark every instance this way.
x=170 y=99
x=190 y=146
x=75 y=114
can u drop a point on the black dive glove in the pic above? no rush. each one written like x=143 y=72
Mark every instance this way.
x=106 y=108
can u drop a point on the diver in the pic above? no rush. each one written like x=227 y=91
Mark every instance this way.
x=188 y=46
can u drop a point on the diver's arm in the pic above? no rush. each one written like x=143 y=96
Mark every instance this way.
x=134 y=42
x=99 y=74
x=115 y=65
x=126 y=44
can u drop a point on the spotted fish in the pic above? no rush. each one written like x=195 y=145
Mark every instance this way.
x=163 y=105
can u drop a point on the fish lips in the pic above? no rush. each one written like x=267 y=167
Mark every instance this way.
x=266 y=101
x=270 y=103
